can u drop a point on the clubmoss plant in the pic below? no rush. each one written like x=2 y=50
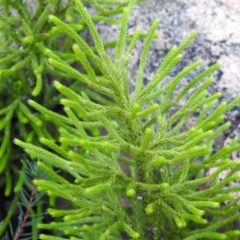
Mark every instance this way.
x=25 y=34
x=146 y=175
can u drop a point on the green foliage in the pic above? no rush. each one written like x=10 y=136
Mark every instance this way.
x=26 y=37
x=146 y=175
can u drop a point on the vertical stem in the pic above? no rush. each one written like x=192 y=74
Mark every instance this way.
x=26 y=215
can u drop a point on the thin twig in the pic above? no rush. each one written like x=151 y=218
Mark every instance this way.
x=26 y=215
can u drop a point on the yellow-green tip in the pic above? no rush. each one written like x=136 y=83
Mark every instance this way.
x=180 y=222
x=136 y=235
x=164 y=185
x=30 y=102
x=131 y=192
x=149 y=131
x=149 y=209
x=194 y=33
x=57 y=84
x=28 y=40
x=51 y=18
x=35 y=181
x=75 y=47
x=18 y=142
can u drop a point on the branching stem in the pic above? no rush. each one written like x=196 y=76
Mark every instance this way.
x=26 y=215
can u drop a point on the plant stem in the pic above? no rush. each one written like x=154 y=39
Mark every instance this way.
x=26 y=215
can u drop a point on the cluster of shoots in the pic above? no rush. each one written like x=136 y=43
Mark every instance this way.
x=144 y=174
